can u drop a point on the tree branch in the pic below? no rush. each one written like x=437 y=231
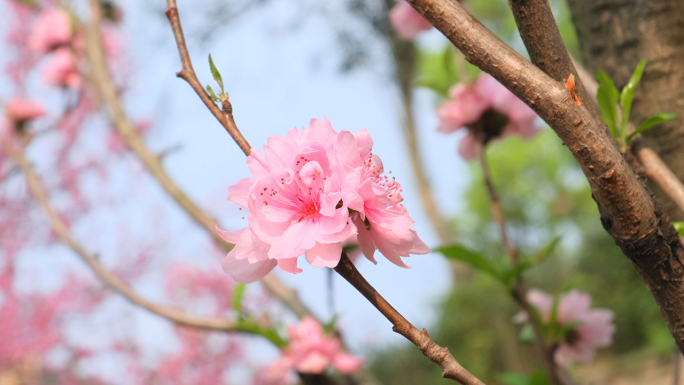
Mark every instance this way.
x=658 y=172
x=104 y=85
x=628 y=211
x=40 y=194
x=187 y=73
x=545 y=45
x=437 y=354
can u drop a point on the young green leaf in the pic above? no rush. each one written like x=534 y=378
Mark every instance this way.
x=539 y=378
x=238 y=294
x=460 y=253
x=514 y=379
x=211 y=93
x=216 y=74
x=627 y=95
x=608 y=97
x=652 y=120
x=526 y=334
x=679 y=226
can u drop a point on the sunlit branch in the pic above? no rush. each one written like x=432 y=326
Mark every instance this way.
x=108 y=92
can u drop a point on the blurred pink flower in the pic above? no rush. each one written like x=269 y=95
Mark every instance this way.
x=300 y=199
x=61 y=70
x=489 y=110
x=594 y=326
x=52 y=29
x=311 y=351
x=20 y=110
x=407 y=22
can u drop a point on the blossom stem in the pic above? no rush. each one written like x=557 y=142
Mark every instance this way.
x=437 y=354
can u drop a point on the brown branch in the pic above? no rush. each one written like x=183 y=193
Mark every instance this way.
x=39 y=193
x=628 y=210
x=187 y=73
x=104 y=85
x=545 y=45
x=437 y=354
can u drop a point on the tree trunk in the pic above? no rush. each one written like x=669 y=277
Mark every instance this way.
x=614 y=36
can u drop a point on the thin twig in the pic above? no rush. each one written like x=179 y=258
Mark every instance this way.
x=658 y=172
x=655 y=169
x=187 y=73
x=108 y=92
x=437 y=354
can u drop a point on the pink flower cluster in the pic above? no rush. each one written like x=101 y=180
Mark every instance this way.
x=594 y=328
x=407 y=22
x=52 y=35
x=312 y=351
x=311 y=191
x=489 y=110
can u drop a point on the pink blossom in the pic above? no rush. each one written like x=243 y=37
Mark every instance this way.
x=300 y=199
x=61 y=70
x=20 y=109
x=594 y=326
x=311 y=351
x=52 y=30
x=489 y=110
x=407 y=22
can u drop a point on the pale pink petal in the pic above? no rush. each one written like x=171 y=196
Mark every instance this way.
x=542 y=302
x=469 y=148
x=407 y=22
x=324 y=254
x=239 y=192
x=573 y=306
x=51 y=30
x=245 y=272
x=229 y=236
x=346 y=363
x=289 y=265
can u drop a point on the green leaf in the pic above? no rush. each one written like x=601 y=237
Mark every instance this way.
x=329 y=328
x=526 y=263
x=627 y=95
x=526 y=334
x=238 y=295
x=216 y=74
x=251 y=325
x=436 y=70
x=679 y=226
x=460 y=253
x=539 y=378
x=514 y=379
x=652 y=120
x=608 y=97
x=212 y=95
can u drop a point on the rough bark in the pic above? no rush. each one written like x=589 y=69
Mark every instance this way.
x=628 y=210
x=614 y=36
